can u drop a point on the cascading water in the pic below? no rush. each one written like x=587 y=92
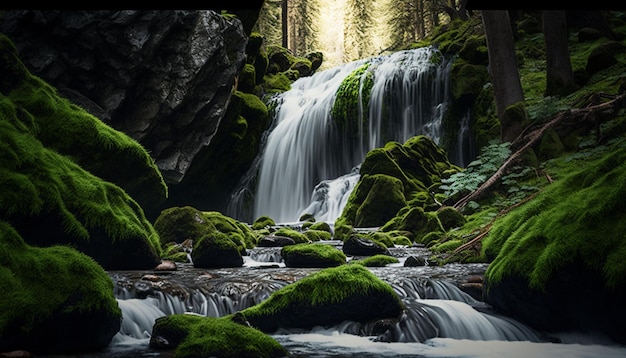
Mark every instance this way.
x=307 y=148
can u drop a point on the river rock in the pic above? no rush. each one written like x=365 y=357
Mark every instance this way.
x=275 y=241
x=360 y=246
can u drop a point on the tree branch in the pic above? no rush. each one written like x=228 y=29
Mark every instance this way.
x=528 y=138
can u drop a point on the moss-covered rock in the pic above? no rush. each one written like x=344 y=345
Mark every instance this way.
x=317 y=235
x=207 y=230
x=391 y=178
x=263 y=222
x=312 y=255
x=450 y=218
x=50 y=200
x=326 y=298
x=55 y=300
x=70 y=130
x=197 y=336
x=215 y=250
x=297 y=236
x=362 y=245
x=376 y=261
x=416 y=221
x=64 y=173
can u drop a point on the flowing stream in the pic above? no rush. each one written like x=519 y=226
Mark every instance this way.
x=440 y=319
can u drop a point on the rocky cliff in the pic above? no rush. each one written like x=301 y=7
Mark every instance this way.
x=163 y=77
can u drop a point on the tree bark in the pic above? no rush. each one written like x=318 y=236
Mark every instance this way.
x=504 y=72
x=559 y=74
x=284 y=18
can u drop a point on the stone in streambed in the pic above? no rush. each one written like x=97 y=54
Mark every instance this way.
x=326 y=298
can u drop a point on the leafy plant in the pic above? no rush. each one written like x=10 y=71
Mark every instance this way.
x=477 y=172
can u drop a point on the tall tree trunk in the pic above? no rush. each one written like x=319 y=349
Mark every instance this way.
x=559 y=75
x=284 y=17
x=507 y=88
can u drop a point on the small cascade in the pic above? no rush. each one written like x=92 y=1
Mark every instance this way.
x=307 y=163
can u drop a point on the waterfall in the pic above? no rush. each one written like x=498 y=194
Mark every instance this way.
x=306 y=152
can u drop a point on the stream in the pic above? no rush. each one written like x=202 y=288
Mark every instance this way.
x=440 y=320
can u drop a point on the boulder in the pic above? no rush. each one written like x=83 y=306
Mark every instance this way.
x=360 y=246
x=326 y=298
x=312 y=255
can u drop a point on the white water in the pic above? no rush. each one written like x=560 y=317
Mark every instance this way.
x=305 y=148
x=448 y=325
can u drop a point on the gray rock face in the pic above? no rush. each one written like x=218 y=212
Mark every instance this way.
x=163 y=77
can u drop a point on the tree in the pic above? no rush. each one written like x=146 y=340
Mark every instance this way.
x=358 y=28
x=504 y=73
x=559 y=75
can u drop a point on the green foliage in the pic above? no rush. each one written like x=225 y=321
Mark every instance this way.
x=476 y=172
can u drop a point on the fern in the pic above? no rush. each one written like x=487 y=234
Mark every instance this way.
x=477 y=172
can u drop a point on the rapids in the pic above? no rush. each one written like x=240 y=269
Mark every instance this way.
x=441 y=320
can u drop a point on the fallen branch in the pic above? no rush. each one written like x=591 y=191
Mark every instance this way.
x=528 y=139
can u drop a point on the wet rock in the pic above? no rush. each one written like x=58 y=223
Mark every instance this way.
x=415 y=261
x=359 y=246
x=166 y=265
x=275 y=241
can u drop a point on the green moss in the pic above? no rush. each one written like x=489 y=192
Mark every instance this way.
x=385 y=196
x=317 y=235
x=37 y=284
x=578 y=218
x=330 y=285
x=38 y=181
x=216 y=249
x=196 y=336
x=312 y=255
x=352 y=96
x=263 y=222
x=379 y=260
x=110 y=154
x=446 y=246
x=297 y=236
x=450 y=218
x=321 y=225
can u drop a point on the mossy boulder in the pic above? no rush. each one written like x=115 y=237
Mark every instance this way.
x=55 y=300
x=392 y=177
x=212 y=233
x=317 y=235
x=312 y=255
x=563 y=249
x=379 y=260
x=325 y=298
x=263 y=222
x=215 y=250
x=295 y=235
x=416 y=221
x=450 y=218
x=197 y=336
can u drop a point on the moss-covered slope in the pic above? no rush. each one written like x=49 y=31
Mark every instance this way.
x=46 y=195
